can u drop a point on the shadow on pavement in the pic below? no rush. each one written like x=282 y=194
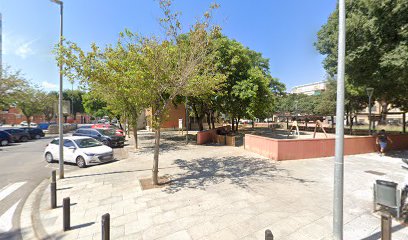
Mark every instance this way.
x=82 y=225
x=377 y=235
x=239 y=171
x=115 y=172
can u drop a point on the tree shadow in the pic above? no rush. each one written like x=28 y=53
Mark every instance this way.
x=164 y=147
x=239 y=171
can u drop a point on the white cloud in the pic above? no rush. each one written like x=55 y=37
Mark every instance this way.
x=24 y=50
x=48 y=85
x=17 y=45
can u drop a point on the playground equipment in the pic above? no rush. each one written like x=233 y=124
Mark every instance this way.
x=295 y=126
x=318 y=123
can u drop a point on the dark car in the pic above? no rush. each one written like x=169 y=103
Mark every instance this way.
x=5 y=138
x=19 y=135
x=106 y=136
x=35 y=133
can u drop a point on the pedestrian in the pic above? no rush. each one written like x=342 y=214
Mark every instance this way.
x=382 y=140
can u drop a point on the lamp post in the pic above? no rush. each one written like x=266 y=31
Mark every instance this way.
x=370 y=91
x=339 y=143
x=60 y=117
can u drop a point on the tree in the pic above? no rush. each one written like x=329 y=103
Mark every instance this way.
x=29 y=101
x=249 y=89
x=47 y=104
x=377 y=48
x=11 y=84
x=182 y=65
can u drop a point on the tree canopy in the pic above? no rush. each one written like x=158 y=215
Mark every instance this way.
x=376 y=48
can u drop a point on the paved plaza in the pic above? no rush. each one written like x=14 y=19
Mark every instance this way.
x=215 y=192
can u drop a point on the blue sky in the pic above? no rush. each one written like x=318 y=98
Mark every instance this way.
x=282 y=30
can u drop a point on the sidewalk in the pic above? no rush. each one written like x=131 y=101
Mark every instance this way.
x=217 y=192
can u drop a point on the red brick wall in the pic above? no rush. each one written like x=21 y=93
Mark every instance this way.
x=291 y=149
x=173 y=116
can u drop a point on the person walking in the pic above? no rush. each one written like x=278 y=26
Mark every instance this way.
x=382 y=140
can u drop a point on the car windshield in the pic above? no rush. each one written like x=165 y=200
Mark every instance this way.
x=87 y=143
x=107 y=132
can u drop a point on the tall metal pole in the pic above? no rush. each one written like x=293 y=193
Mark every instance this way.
x=369 y=115
x=186 y=120
x=60 y=116
x=339 y=147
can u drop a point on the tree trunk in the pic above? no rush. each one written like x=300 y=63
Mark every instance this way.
x=384 y=111
x=209 y=120
x=28 y=120
x=155 y=178
x=351 y=124
x=253 y=123
x=134 y=127
x=212 y=118
x=233 y=124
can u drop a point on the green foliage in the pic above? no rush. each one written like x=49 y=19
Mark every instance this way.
x=12 y=83
x=30 y=101
x=75 y=97
x=249 y=90
x=376 y=48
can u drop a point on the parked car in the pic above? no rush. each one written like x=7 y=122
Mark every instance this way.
x=35 y=133
x=19 y=135
x=119 y=132
x=106 y=136
x=5 y=138
x=25 y=123
x=83 y=151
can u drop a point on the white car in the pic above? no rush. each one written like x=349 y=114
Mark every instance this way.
x=80 y=150
x=25 y=124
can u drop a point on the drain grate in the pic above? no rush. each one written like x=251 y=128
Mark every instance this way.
x=375 y=172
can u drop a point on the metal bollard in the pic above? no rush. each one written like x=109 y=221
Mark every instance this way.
x=54 y=176
x=386 y=223
x=53 y=186
x=66 y=218
x=106 y=226
x=53 y=189
x=268 y=235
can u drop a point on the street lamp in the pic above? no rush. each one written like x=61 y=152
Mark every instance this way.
x=370 y=91
x=60 y=117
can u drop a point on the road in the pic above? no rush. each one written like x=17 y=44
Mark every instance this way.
x=22 y=168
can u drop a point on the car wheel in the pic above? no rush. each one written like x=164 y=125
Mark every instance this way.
x=49 y=158
x=105 y=142
x=37 y=136
x=4 y=142
x=23 y=139
x=80 y=161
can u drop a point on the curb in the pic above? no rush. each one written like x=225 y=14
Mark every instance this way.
x=30 y=215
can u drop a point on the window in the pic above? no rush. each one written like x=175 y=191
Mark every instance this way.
x=93 y=132
x=55 y=141
x=68 y=143
x=80 y=131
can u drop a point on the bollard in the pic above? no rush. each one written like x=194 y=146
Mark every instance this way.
x=106 y=226
x=268 y=235
x=53 y=186
x=53 y=176
x=386 y=222
x=66 y=218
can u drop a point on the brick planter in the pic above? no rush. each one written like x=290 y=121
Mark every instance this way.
x=291 y=149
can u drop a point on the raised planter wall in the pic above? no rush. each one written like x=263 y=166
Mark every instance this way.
x=210 y=136
x=292 y=149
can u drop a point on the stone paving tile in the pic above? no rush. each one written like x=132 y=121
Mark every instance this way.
x=220 y=193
